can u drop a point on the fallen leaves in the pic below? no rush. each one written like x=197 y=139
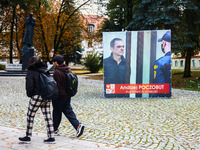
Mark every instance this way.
x=90 y=131
x=120 y=145
x=5 y=138
x=127 y=143
x=10 y=145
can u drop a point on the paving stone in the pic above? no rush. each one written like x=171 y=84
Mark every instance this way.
x=122 y=122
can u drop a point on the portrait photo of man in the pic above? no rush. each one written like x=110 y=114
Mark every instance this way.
x=115 y=65
x=137 y=64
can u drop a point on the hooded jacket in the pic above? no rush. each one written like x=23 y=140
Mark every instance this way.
x=33 y=78
x=60 y=78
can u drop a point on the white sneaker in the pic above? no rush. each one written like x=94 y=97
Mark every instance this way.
x=56 y=133
x=80 y=130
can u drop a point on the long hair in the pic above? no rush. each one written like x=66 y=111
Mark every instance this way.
x=34 y=60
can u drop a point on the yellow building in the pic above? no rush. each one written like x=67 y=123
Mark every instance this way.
x=179 y=62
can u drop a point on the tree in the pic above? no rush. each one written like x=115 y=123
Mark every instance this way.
x=17 y=12
x=74 y=56
x=12 y=6
x=43 y=29
x=171 y=14
x=70 y=26
x=94 y=62
x=119 y=14
x=57 y=30
x=5 y=20
x=189 y=31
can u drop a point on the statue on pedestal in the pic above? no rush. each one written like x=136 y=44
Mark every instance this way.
x=28 y=50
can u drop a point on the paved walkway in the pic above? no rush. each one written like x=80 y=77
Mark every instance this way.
x=118 y=123
x=9 y=140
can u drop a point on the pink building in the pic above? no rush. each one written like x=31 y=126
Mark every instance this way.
x=92 y=24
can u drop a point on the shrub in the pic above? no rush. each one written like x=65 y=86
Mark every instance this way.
x=195 y=85
x=94 y=62
x=2 y=67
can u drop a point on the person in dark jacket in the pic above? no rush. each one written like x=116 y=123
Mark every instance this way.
x=62 y=103
x=115 y=67
x=33 y=91
x=162 y=66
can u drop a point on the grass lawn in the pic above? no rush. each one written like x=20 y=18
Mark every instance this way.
x=80 y=72
x=191 y=83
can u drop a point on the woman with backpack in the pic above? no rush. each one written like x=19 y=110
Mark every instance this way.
x=36 y=66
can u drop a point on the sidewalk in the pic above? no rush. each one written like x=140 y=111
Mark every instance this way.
x=118 y=123
x=9 y=140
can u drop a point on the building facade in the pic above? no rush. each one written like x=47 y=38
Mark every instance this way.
x=179 y=62
x=92 y=24
x=92 y=16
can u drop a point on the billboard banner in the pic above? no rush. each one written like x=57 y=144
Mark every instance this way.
x=137 y=64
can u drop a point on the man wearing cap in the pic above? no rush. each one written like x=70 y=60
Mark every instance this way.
x=162 y=66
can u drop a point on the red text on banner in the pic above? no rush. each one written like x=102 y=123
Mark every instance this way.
x=137 y=88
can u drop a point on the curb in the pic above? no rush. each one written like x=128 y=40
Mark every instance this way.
x=9 y=140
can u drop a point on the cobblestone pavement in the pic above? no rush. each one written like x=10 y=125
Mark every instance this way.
x=132 y=123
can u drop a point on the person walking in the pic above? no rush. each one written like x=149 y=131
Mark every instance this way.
x=36 y=66
x=62 y=104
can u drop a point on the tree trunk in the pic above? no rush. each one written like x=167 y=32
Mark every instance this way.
x=17 y=40
x=57 y=38
x=43 y=34
x=129 y=11
x=187 y=64
x=11 y=35
x=44 y=40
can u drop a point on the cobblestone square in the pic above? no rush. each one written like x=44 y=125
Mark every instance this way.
x=132 y=123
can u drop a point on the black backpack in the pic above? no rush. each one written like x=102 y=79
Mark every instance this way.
x=72 y=83
x=48 y=86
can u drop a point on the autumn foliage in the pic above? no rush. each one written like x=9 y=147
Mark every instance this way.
x=58 y=28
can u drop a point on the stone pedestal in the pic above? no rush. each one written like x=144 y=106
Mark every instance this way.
x=13 y=67
x=27 y=53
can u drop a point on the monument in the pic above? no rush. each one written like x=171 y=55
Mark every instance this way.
x=28 y=50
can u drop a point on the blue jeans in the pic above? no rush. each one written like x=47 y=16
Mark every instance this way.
x=62 y=105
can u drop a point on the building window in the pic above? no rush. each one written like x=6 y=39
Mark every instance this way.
x=181 y=63
x=91 y=28
x=193 y=63
x=199 y=62
x=90 y=43
x=172 y=63
x=176 y=63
